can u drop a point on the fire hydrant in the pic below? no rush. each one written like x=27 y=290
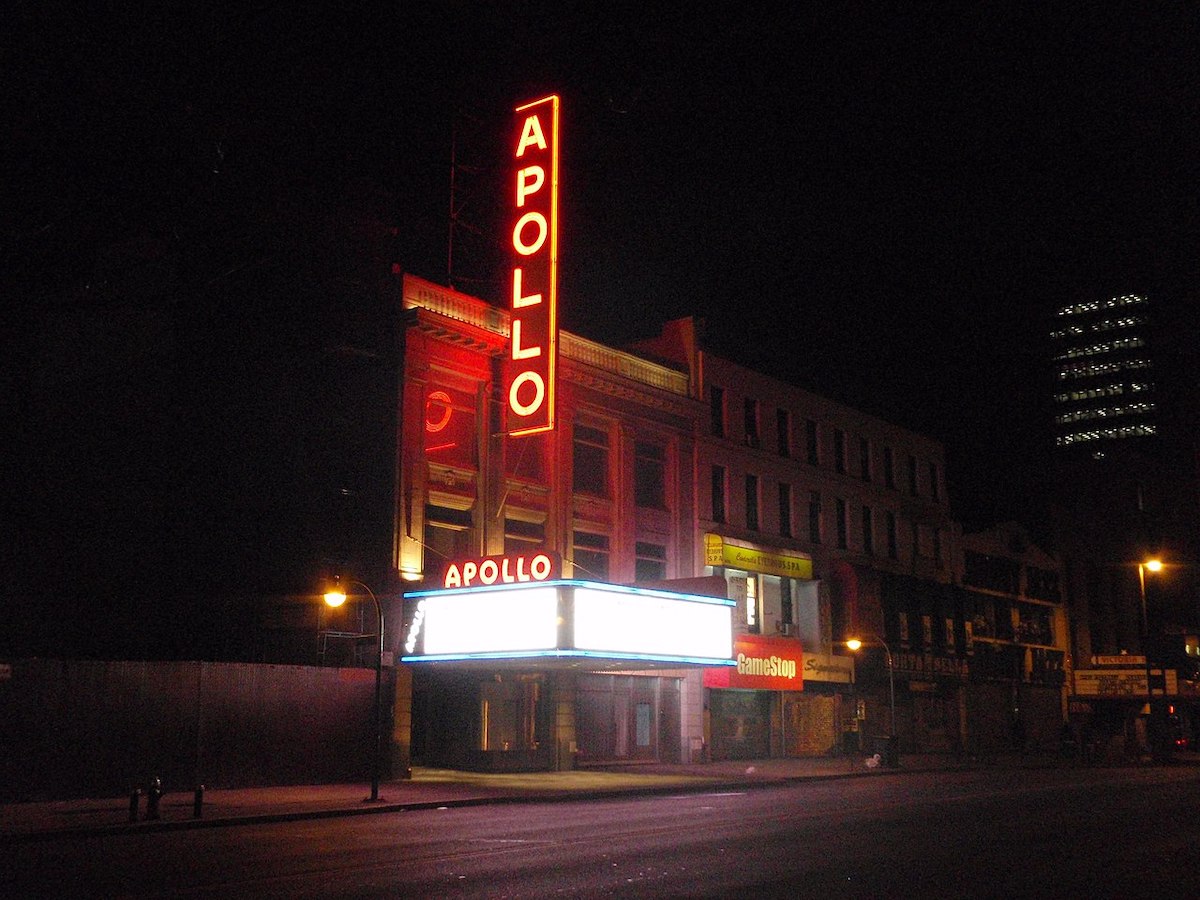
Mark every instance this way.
x=153 y=795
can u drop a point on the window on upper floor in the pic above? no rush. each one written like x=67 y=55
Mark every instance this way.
x=716 y=400
x=912 y=475
x=785 y=509
x=649 y=475
x=842 y=517
x=864 y=458
x=814 y=517
x=889 y=467
x=1041 y=584
x=590 y=553
x=1034 y=624
x=651 y=561
x=993 y=573
x=812 y=445
x=718 y=493
x=783 y=432
x=753 y=437
x=522 y=536
x=868 y=530
x=752 y=502
x=448 y=535
x=839 y=451
x=590 y=462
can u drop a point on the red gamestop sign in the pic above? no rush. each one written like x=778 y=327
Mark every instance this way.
x=763 y=663
x=529 y=382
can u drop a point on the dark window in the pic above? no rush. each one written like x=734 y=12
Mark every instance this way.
x=651 y=563
x=912 y=475
x=892 y=543
x=752 y=502
x=814 y=516
x=868 y=530
x=1041 y=584
x=716 y=399
x=649 y=475
x=718 y=493
x=591 y=461
x=785 y=509
x=840 y=512
x=520 y=536
x=783 y=432
x=811 y=444
x=447 y=535
x=752 y=436
x=590 y=555
x=993 y=573
x=864 y=458
x=839 y=451
x=889 y=467
x=935 y=487
x=937 y=547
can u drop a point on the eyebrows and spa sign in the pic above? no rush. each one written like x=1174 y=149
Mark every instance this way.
x=533 y=198
x=762 y=663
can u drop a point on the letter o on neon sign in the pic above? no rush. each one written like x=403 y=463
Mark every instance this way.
x=542 y=229
x=539 y=393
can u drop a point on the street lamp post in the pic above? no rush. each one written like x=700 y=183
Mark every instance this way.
x=1150 y=565
x=335 y=596
x=855 y=644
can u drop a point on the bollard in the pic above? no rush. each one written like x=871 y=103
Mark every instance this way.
x=153 y=795
x=198 y=802
x=134 y=798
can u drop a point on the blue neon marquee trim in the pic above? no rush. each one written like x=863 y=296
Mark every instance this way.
x=574 y=654
x=601 y=586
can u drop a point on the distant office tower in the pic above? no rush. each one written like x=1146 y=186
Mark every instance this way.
x=1104 y=374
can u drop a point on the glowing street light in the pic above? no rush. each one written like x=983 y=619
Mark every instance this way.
x=1149 y=565
x=854 y=645
x=335 y=597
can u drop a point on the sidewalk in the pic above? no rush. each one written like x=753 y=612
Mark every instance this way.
x=435 y=788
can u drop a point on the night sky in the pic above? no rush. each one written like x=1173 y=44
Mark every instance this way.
x=882 y=203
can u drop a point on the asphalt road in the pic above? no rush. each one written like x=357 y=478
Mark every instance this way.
x=1093 y=833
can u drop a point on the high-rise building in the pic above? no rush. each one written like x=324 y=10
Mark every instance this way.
x=1104 y=387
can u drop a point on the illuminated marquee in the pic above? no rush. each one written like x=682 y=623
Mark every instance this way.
x=567 y=620
x=530 y=382
x=513 y=568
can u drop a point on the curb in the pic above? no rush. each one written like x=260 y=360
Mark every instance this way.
x=560 y=796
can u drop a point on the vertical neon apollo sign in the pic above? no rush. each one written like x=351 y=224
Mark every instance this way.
x=530 y=382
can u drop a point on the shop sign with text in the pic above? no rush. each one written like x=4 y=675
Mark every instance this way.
x=720 y=552
x=763 y=664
